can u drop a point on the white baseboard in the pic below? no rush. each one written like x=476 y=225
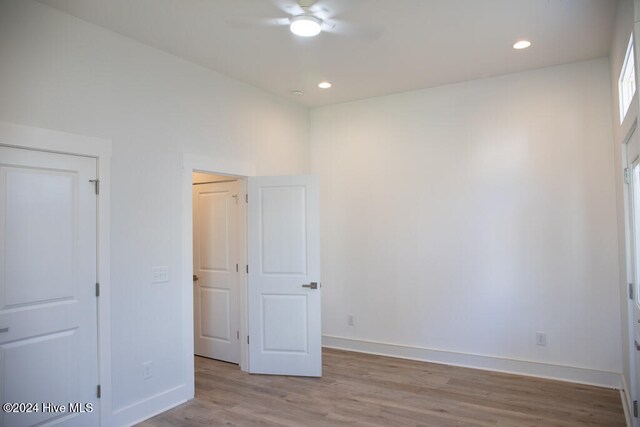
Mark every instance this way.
x=150 y=407
x=489 y=363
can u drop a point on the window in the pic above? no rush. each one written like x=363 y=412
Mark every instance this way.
x=627 y=81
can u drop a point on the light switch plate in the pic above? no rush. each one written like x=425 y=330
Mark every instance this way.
x=159 y=274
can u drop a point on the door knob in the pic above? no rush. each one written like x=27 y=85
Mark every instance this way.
x=312 y=285
x=637 y=345
x=195 y=278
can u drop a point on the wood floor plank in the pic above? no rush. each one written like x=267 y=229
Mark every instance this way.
x=368 y=390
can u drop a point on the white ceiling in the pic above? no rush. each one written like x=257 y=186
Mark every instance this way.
x=377 y=47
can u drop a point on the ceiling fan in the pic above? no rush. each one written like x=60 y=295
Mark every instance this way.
x=308 y=18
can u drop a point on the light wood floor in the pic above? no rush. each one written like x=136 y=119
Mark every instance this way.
x=360 y=389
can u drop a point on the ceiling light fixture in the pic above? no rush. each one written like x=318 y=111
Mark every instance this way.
x=324 y=85
x=521 y=44
x=305 y=26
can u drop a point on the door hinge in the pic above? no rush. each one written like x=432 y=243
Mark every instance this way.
x=635 y=408
x=630 y=291
x=99 y=392
x=97 y=184
x=237 y=268
x=97 y=289
x=247 y=339
x=246 y=198
x=237 y=335
x=247 y=268
x=626 y=176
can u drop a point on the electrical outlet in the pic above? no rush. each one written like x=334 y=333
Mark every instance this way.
x=541 y=338
x=159 y=274
x=350 y=320
x=146 y=370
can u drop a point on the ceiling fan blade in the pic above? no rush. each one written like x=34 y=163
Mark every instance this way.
x=326 y=9
x=290 y=7
x=253 y=21
x=321 y=12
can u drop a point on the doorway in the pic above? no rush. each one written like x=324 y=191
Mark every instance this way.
x=218 y=224
x=632 y=179
x=280 y=286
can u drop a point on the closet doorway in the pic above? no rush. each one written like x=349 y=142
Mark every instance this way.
x=218 y=230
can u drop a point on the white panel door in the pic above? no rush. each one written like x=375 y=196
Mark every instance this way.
x=48 y=306
x=284 y=276
x=215 y=265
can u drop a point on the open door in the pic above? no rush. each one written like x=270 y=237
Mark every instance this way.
x=284 y=276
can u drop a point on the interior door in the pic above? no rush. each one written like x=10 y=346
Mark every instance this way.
x=48 y=306
x=284 y=276
x=216 y=270
x=633 y=178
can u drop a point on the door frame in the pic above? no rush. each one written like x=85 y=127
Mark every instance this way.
x=39 y=139
x=219 y=166
x=630 y=389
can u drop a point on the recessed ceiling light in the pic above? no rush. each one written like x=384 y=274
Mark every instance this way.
x=324 y=85
x=521 y=44
x=305 y=26
x=296 y=92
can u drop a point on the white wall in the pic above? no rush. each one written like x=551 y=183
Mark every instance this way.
x=62 y=73
x=465 y=218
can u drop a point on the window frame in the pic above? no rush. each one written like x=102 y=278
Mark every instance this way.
x=627 y=75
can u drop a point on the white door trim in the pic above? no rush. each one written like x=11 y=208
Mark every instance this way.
x=20 y=136
x=193 y=163
x=630 y=389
